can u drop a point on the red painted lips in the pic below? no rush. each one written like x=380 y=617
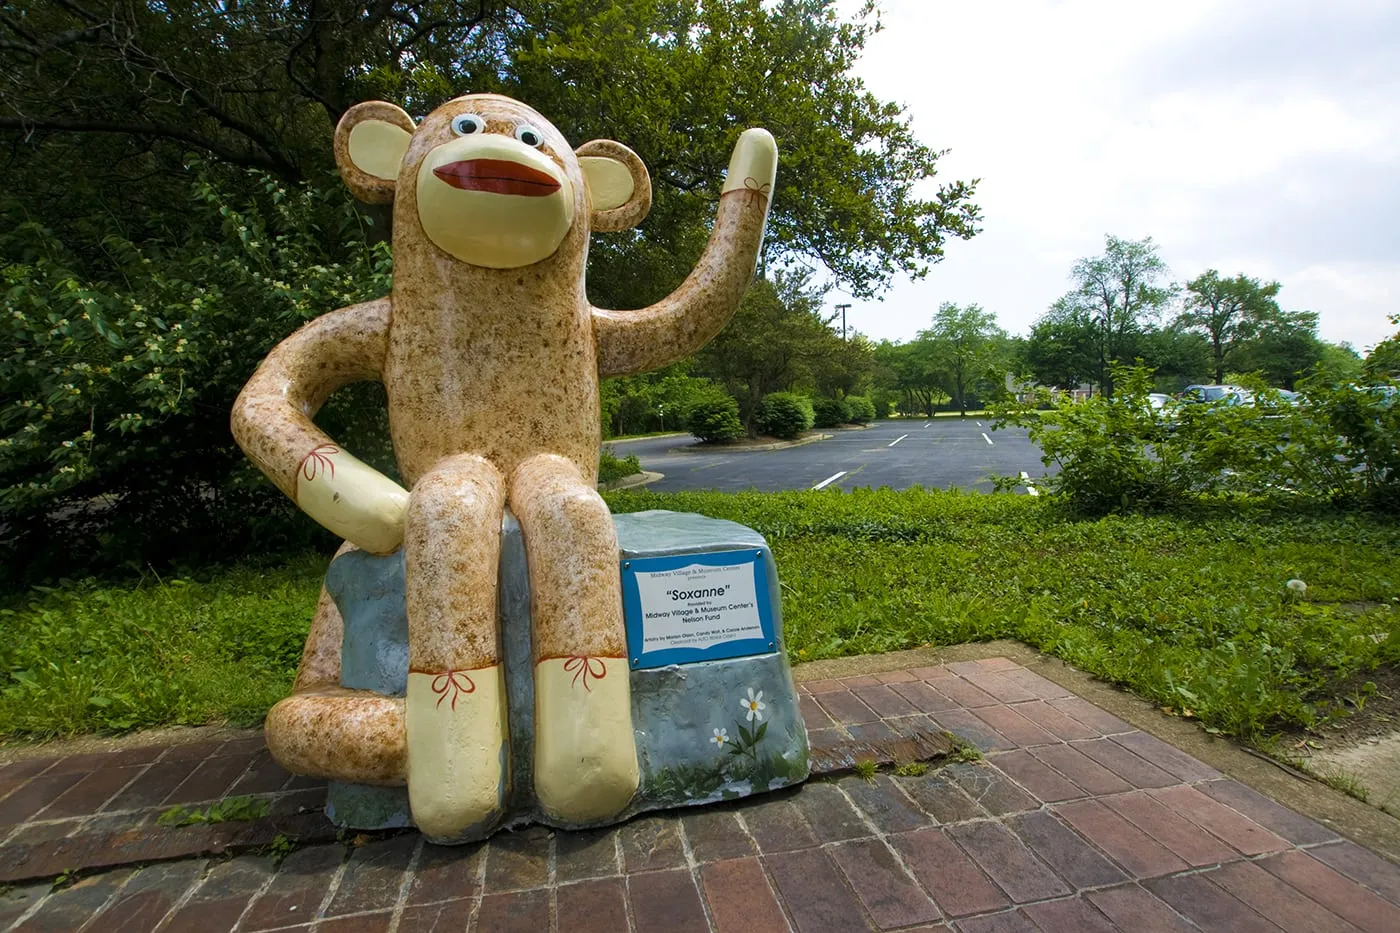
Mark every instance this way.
x=498 y=176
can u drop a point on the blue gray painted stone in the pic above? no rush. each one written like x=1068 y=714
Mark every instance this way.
x=677 y=711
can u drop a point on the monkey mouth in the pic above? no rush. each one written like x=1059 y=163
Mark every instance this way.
x=497 y=176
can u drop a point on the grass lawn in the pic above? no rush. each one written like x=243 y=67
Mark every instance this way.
x=1191 y=612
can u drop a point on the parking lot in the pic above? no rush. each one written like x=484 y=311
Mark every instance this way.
x=940 y=453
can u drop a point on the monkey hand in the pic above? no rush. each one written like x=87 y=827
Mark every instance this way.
x=754 y=163
x=352 y=499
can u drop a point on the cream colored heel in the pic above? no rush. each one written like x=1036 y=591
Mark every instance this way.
x=457 y=754
x=585 y=751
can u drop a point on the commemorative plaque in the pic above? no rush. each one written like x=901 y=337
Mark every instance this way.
x=685 y=608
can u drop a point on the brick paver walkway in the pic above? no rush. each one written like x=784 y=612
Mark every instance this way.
x=1074 y=821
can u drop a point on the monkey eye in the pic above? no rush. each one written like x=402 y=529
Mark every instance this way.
x=464 y=124
x=528 y=135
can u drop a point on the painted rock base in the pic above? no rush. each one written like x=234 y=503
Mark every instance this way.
x=705 y=731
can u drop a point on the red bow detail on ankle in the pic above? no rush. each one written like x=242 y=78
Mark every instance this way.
x=452 y=681
x=583 y=666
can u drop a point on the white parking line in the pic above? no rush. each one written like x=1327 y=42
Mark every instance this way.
x=1026 y=478
x=829 y=480
x=987 y=439
x=897 y=440
x=927 y=423
x=979 y=424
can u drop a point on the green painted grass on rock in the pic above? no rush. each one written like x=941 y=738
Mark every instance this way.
x=1191 y=612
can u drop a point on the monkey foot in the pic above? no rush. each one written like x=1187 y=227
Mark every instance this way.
x=585 y=751
x=339 y=734
x=457 y=767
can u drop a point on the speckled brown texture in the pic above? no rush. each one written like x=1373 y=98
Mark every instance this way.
x=452 y=544
x=343 y=735
x=320 y=658
x=571 y=550
x=272 y=415
x=684 y=321
x=498 y=362
x=492 y=381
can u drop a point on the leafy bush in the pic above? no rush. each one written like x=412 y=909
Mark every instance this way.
x=1111 y=453
x=784 y=415
x=830 y=412
x=862 y=410
x=118 y=379
x=715 y=419
x=1337 y=445
x=883 y=406
x=612 y=468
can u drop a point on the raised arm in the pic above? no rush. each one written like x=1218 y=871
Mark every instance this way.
x=272 y=423
x=682 y=322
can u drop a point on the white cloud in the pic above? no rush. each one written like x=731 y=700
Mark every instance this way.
x=1258 y=137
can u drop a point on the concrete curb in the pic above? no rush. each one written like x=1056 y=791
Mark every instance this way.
x=780 y=445
x=1367 y=825
x=628 y=482
x=644 y=437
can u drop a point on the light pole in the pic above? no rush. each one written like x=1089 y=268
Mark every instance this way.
x=842 y=309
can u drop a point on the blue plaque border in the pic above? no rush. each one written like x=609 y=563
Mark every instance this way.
x=632 y=608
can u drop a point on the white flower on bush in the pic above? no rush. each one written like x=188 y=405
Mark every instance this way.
x=1296 y=587
x=753 y=705
x=720 y=737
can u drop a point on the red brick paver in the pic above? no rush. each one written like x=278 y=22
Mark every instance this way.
x=1074 y=821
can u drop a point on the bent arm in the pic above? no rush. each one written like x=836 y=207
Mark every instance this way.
x=272 y=423
x=685 y=320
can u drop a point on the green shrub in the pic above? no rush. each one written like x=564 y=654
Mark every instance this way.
x=862 y=410
x=715 y=419
x=119 y=375
x=883 y=406
x=612 y=468
x=1338 y=445
x=784 y=415
x=830 y=412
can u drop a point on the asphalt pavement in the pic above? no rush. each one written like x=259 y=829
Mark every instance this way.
x=940 y=453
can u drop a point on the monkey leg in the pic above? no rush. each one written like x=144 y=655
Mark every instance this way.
x=585 y=750
x=455 y=708
x=343 y=735
x=322 y=730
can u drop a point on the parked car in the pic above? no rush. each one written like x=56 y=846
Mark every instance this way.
x=1158 y=400
x=1215 y=394
x=1385 y=395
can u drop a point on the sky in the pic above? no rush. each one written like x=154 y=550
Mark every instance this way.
x=1253 y=136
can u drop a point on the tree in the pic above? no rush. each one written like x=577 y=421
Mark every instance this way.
x=1061 y=349
x=1383 y=362
x=1227 y=311
x=1281 y=348
x=846 y=369
x=963 y=342
x=772 y=344
x=1119 y=296
x=105 y=102
x=1340 y=360
x=910 y=372
x=1177 y=357
x=169 y=208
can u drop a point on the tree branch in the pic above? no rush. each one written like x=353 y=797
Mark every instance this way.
x=162 y=131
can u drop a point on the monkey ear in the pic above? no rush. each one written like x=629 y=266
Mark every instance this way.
x=370 y=142
x=618 y=185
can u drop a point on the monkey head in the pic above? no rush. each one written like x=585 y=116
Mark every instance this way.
x=493 y=182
